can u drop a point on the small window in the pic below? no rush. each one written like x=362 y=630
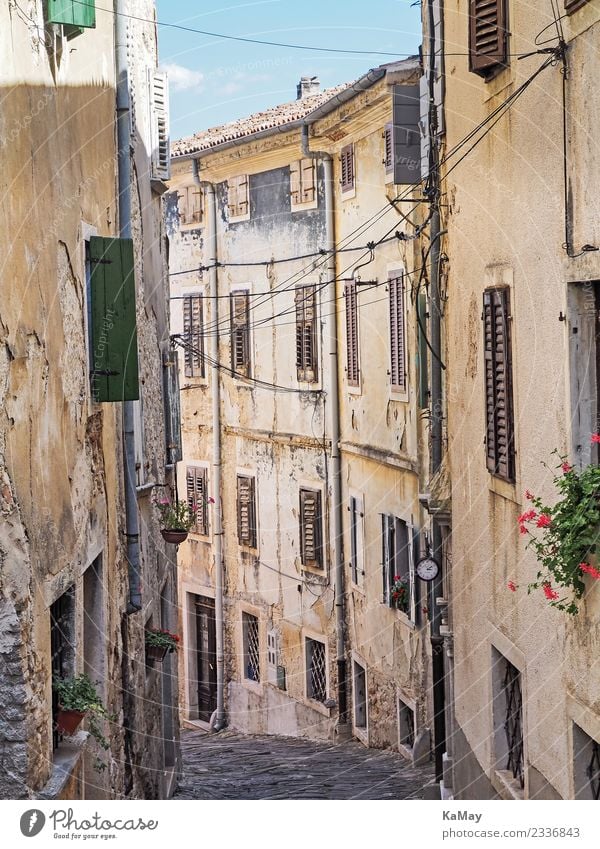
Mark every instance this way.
x=388 y=148
x=193 y=335
x=499 y=439
x=347 y=168
x=397 y=334
x=62 y=648
x=352 y=365
x=159 y=114
x=311 y=529
x=316 y=670
x=239 y=305
x=303 y=183
x=306 y=334
x=246 y=511
x=488 y=36
x=251 y=647
x=586 y=765
x=360 y=695
x=197 y=497
x=508 y=717
x=238 y=197
x=399 y=584
x=357 y=546
x=406 y=725
x=191 y=208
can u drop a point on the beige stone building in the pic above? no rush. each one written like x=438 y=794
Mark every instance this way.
x=520 y=266
x=84 y=324
x=302 y=415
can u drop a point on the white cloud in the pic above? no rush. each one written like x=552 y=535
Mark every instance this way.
x=183 y=79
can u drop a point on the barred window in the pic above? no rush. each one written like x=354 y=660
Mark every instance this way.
x=316 y=670
x=251 y=647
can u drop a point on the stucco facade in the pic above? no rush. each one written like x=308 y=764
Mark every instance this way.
x=518 y=222
x=62 y=532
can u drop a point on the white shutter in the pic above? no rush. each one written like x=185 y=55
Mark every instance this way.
x=159 y=115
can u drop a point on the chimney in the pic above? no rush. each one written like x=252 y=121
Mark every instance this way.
x=307 y=86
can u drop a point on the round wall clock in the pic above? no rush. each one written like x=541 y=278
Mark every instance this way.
x=427 y=568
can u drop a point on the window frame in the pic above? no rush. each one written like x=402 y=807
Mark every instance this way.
x=245 y=370
x=299 y=167
x=356 y=509
x=352 y=321
x=251 y=619
x=347 y=171
x=62 y=645
x=391 y=552
x=250 y=543
x=195 y=471
x=488 y=65
x=191 y=214
x=309 y=642
x=306 y=372
x=193 y=337
x=398 y=350
x=317 y=564
x=238 y=210
x=498 y=297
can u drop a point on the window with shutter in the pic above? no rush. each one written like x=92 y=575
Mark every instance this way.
x=193 y=336
x=397 y=334
x=159 y=111
x=72 y=13
x=487 y=36
x=303 y=184
x=238 y=197
x=246 y=511
x=397 y=547
x=311 y=532
x=357 y=565
x=190 y=205
x=306 y=334
x=113 y=330
x=388 y=148
x=406 y=135
x=572 y=5
x=498 y=384
x=239 y=303
x=347 y=168
x=172 y=405
x=197 y=497
x=352 y=367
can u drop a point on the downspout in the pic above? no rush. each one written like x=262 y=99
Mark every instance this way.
x=219 y=720
x=132 y=527
x=336 y=467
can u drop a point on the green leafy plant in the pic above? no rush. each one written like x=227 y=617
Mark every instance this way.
x=79 y=694
x=161 y=639
x=399 y=594
x=566 y=535
x=176 y=515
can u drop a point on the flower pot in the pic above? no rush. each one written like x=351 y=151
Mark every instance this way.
x=174 y=535
x=156 y=653
x=68 y=721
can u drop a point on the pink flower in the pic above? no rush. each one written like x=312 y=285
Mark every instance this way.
x=211 y=500
x=512 y=586
x=523 y=529
x=397 y=577
x=591 y=570
x=595 y=437
x=566 y=467
x=528 y=516
x=164 y=501
x=550 y=594
x=544 y=521
x=529 y=495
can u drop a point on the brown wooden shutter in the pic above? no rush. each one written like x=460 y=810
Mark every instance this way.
x=487 y=35
x=295 y=190
x=197 y=497
x=240 y=332
x=347 y=167
x=193 y=333
x=195 y=201
x=308 y=173
x=573 y=5
x=246 y=511
x=388 y=148
x=397 y=334
x=232 y=197
x=311 y=541
x=352 y=370
x=498 y=384
x=306 y=330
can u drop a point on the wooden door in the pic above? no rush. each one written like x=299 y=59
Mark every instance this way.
x=206 y=654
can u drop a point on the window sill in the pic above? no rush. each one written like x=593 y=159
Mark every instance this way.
x=504 y=489
x=159 y=187
x=318 y=706
x=304 y=207
x=348 y=194
x=238 y=219
x=144 y=490
x=253 y=686
x=507 y=787
x=66 y=761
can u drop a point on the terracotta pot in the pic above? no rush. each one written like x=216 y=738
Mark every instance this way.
x=156 y=653
x=68 y=721
x=174 y=535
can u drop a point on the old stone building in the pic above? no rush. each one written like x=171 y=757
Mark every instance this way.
x=292 y=283
x=519 y=267
x=84 y=324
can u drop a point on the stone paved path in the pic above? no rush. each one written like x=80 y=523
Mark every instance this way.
x=235 y=766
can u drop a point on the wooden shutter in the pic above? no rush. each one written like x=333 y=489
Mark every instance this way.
x=406 y=134
x=308 y=173
x=388 y=545
x=114 y=354
x=240 y=332
x=159 y=108
x=197 y=497
x=193 y=333
x=311 y=541
x=352 y=370
x=422 y=351
x=237 y=196
x=195 y=203
x=388 y=148
x=347 y=167
x=498 y=384
x=306 y=327
x=246 y=511
x=573 y=5
x=353 y=540
x=71 y=13
x=487 y=35
x=295 y=187
x=172 y=405
x=397 y=334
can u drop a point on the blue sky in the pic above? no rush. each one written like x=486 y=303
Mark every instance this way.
x=214 y=81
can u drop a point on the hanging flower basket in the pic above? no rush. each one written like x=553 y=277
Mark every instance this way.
x=68 y=721
x=174 y=535
x=158 y=643
x=157 y=653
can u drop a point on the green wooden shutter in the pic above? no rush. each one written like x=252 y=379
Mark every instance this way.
x=114 y=366
x=77 y=13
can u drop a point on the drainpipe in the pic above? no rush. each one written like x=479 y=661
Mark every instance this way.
x=132 y=526
x=336 y=468
x=218 y=723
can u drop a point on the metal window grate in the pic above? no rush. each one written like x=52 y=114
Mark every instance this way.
x=317 y=671
x=251 y=648
x=593 y=770
x=61 y=651
x=513 y=721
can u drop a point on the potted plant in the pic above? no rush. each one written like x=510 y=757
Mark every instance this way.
x=78 y=698
x=176 y=519
x=399 y=595
x=159 y=642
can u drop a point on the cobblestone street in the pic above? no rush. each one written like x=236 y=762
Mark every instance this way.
x=233 y=766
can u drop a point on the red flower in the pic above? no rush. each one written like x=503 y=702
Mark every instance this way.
x=211 y=500
x=425 y=611
x=528 y=516
x=529 y=495
x=595 y=437
x=591 y=570
x=523 y=529
x=566 y=467
x=397 y=578
x=550 y=594
x=512 y=586
x=544 y=521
